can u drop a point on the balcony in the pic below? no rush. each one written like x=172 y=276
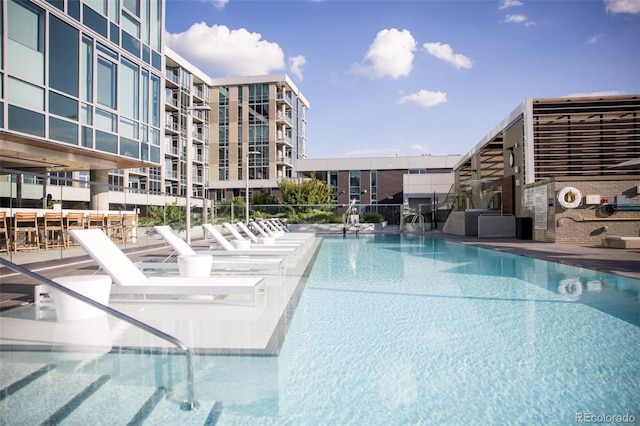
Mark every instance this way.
x=284 y=118
x=284 y=160
x=284 y=97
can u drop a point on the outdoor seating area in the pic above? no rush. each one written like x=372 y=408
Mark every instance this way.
x=44 y=229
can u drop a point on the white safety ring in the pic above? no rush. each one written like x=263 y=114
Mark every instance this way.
x=570 y=288
x=569 y=197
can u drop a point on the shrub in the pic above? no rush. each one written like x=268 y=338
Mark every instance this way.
x=371 y=217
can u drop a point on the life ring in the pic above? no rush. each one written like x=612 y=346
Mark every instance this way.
x=571 y=288
x=569 y=197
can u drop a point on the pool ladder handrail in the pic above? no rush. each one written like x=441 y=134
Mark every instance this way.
x=190 y=403
x=420 y=220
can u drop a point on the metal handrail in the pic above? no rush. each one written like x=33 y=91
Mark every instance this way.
x=190 y=403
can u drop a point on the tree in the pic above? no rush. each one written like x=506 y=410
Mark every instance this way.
x=306 y=194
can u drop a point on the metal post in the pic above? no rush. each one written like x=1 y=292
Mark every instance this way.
x=247 y=185
x=189 y=166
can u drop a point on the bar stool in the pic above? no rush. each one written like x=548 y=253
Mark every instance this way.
x=26 y=223
x=114 y=228
x=54 y=233
x=4 y=233
x=95 y=220
x=74 y=220
x=130 y=225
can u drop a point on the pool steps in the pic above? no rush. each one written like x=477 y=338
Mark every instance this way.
x=26 y=397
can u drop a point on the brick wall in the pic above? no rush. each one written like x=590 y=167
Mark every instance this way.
x=590 y=223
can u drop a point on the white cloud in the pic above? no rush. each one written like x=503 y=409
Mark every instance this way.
x=219 y=4
x=424 y=98
x=217 y=49
x=295 y=65
x=390 y=55
x=505 y=4
x=594 y=39
x=516 y=18
x=622 y=6
x=445 y=52
x=595 y=94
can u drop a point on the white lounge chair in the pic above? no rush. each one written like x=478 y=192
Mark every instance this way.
x=263 y=230
x=129 y=280
x=229 y=249
x=255 y=239
x=228 y=263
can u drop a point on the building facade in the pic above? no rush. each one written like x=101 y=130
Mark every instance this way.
x=552 y=165
x=414 y=182
x=260 y=124
x=81 y=89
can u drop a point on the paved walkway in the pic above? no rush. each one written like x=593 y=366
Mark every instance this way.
x=625 y=262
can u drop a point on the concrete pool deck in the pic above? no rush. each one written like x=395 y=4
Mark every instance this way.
x=624 y=262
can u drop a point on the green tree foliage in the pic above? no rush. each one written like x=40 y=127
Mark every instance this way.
x=304 y=195
x=170 y=214
x=263 y=198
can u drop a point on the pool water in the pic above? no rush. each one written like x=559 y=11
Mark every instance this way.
x=395 y=329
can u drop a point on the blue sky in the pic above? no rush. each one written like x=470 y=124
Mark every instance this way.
x=414 y=77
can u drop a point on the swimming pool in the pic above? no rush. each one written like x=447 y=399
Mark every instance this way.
x=389 y=329
x=398 y=329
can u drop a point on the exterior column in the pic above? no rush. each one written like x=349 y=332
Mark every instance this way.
x=99 y=190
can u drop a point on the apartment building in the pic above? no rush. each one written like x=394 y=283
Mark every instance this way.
x=81 y=94
x=261 y=129
x=90 y=93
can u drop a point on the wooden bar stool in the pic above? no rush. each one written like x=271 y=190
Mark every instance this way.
x=73 y=221
x=130 y=225
x=54 y=233
x=5 y=239
x=114 y=228
x=95 y=220
x=27 y=224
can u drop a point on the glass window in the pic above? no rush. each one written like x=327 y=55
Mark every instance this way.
x=154 y=154
x=114 y=10
x=25 y=47
x=106 y=81
x=86 y=114
x=63 y=56
x=156 y=60
x=130 y=25
x=73 y=9
x=129 y=89
x=106 y=142
x=132 y=6
x=106 y=120
x=25 y=94
x=86 y=70
x=87 y=137
x=131 y=44
x=59 y=4
x=114 y=33
x=25 y=121
x=63 y=131
x=109 y=52
x=63 y=106
x=129 y=148
x=144 y=95
x=155 y=101
x=128 y=128
x=156 y=27
x=99 y=6
x=354 y=185
x=94 y=20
